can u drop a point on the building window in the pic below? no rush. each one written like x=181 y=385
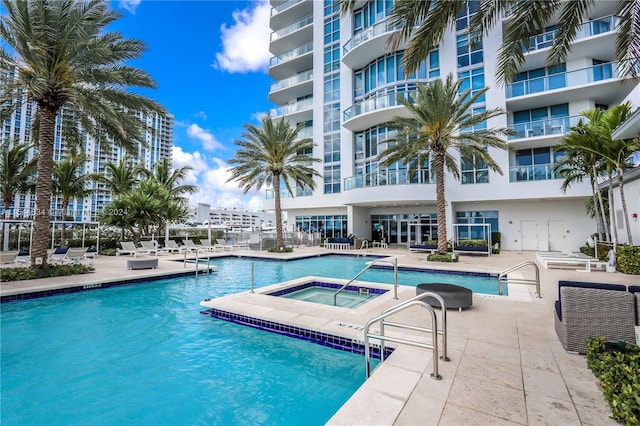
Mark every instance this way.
x=477 y=217
x=536 y=164
x=541 y=121
x=332 y=57
x=474 y=80
x=332 y=87
x=474 y=174
x=330 y=226
x=469 y=53
x=332 y=148
x=332 y=29
x=539 y=80
x=332 y=179
x=602 y=70
x=374 y=11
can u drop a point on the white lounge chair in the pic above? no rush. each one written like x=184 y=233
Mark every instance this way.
x=222 y=244
x=8 y=257
x=78 y=256
x=206 y=243
x=128 y=247
x=193 y=247
x=172 y=247
x=59 y=256
x=150 y=246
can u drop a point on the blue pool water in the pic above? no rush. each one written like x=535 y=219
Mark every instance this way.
x=143 y=354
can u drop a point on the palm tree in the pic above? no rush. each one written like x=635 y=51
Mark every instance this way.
x=424 y=23
x=70 y=182
x=66 y=61
x=270 y=153
x=120 y=177
x=579 y=163
x=16 y=175
x=441 y=121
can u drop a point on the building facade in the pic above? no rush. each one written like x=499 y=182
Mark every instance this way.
x=338 y=76
x=204 y=215
x=159 y=138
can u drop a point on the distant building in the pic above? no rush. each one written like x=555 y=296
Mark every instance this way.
x=159 y=138
x=337 y=75
x=231 y=218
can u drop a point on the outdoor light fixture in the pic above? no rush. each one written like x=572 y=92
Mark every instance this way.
x=635 y=217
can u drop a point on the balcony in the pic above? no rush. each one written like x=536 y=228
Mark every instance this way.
x=296 y=112
x=270 y=194
x=602 y=80
x=531 y=173
x=367 y=44
x=291 y=62
x=587 y=29
x=292 y=35
x=372 y=111
x=552 y=126
x=389 y=177
x=289 y=11
x=291 y=88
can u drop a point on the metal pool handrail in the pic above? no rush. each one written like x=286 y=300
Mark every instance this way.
x=402 y=306
x=394 y=262
x=536 y=281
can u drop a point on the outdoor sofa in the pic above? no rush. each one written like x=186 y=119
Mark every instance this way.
x=586 y=309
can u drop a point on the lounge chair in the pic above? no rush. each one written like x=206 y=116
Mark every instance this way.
x=172 y=247
x=128 y=247
x=222 y=244
x=59 y=256
x=150 y=246
x=23 y=258
x=8 y=257
x=77 y=255
x=193 y=247
x=206 y=243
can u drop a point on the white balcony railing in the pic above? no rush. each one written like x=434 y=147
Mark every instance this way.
x=291 y=54
x=282 y=6
x=291 y=81
x=587 y=29
x=291 y=108
x=389 y=177
x=291 y=28
x=369 y=33
x=551 y=126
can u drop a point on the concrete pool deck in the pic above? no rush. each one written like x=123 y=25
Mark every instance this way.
x=507 y=365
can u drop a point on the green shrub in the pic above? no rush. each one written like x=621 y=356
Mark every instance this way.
x=628 y=259
x=617 y=367
x=18 y=274
x=108 y=252
x=435 y=257
x=496 y=238
x=472 y=243
x=280 y=250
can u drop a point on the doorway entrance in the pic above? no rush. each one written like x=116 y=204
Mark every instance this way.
x=529 y=235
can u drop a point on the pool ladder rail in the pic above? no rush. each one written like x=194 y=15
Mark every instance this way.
x=502 y=278
x=434 y=331
x=197 y=263
x=393 y=261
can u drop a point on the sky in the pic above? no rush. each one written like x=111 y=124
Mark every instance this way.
x=210 y=62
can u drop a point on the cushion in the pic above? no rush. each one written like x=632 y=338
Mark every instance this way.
x=558 y=310
x=61 y=250
x=634 y=289
x=23 y=253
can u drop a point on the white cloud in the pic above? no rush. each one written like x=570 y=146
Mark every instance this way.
x=208 y=140
x=211 y=175
x=201 y=114
x=245 y=43
x=130 y=5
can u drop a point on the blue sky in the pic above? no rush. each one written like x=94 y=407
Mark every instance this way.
x=210 y=61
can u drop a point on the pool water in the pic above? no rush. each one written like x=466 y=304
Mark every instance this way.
x=346 y=298
x=143 y=354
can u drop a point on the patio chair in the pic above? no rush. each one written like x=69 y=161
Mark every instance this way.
x=128 y=247
x=77 y=255
x=193 y=247
x=23 y=258
x=222 y=244
x=8 y=257
x=206 y=243
x=150 y=246
x=172 y=247
x=59 y=256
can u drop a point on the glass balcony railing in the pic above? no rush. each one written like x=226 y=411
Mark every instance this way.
x=532 y=173
x=282 y=6
x=291 y=54
x=291 y=28
x=270 y=194
x=551 y=126
x=292 y=108
x=369 y=33
x=374 y=104
x=560 y=80
x=305 y=133
x=587 y=29
x=389 y=177
x=291 y=81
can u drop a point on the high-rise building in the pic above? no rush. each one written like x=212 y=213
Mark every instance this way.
x=338 y=76
x=159 y=138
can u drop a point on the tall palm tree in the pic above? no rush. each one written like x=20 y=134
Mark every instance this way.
x=440 y=123
x=70 y=182
x=270 y=153
x=579 y=164
x=424 y=23
x=16 y=175
x=65 y=60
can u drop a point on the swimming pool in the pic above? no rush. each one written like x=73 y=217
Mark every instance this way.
x=351 y=296
x=143 y=354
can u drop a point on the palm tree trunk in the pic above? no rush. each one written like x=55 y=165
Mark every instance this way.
x=276 y=190
x=44 y=183
x=624 y=206
x=441 y=212
x=612 y=218
x=65 y=206
x=607 y=235
x=5 y=225
x=596 y=207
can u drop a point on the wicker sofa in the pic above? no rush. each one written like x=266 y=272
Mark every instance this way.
x=586 y=309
